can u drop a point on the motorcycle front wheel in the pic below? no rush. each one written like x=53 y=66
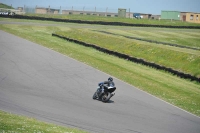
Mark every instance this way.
x=95 y=95
x=106 y=97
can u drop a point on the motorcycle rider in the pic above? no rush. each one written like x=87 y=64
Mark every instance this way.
x=105 y=84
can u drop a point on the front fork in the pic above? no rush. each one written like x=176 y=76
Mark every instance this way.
x=98 y=91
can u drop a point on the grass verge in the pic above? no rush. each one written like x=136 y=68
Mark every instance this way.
x=182 y=37
x=5 y=6
x=10 y=123
x=159 y=54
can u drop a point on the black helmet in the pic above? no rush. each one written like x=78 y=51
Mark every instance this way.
x=110 y=79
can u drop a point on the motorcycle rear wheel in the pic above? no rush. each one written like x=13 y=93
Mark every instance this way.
x=106 y=97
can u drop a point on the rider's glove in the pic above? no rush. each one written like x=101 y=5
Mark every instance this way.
x=101 y=84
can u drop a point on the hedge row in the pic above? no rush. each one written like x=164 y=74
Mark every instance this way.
x=151 y=41
x=133 y=59
x=97 y=22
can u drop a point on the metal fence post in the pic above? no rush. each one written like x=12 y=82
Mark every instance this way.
x=36 y=9
x=49 y=10
x=106 y=11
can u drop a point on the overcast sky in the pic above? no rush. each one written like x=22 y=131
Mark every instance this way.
x=142 y=6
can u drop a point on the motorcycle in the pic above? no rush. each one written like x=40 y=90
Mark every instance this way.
x=107 y=94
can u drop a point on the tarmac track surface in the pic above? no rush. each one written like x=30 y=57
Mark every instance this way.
x=40 y=83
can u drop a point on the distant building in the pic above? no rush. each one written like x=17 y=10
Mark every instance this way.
x=155 y=16
x=142 y=15
x=183 y=16
x=122 y=13
x=20 y=9
x=107 y=14
x=190 y=17
x=173 y=15
x=49 y=10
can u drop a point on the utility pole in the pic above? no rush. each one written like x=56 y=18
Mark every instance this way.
x=49 y=9
x=106 y=11
x=36 y=9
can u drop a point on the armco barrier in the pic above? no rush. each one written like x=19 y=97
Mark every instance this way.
x=97 y=22
x=133 y=59
x=151 y=41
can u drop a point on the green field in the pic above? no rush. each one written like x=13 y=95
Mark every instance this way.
x=5 y=6
x=189 y=38
x=179 y=92
x=10 y=123
x=184 y=60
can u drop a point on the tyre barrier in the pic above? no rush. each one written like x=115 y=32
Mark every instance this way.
x=97 y=22
x=133 y=59
x=151 y=41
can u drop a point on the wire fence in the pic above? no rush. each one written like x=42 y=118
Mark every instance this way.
x=29 y=9
x=86 y=10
